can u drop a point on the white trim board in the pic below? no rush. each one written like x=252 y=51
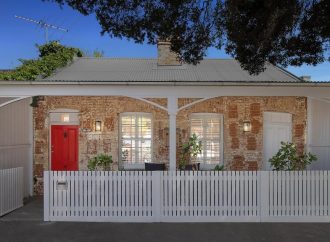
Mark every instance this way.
x=162 y=91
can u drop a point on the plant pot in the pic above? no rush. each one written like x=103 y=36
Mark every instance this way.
x=192 y=167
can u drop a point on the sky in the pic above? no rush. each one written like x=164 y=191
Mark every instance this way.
x=18 y=37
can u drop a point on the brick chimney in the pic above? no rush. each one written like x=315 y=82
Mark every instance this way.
x=166 y=57
x=306 y=78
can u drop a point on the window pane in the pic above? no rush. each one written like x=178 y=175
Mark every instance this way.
x=212 y=129
x=128 y=151
x=208 y=130
x=197 y=127
x=136 y=135
x=144 y=127
x=144 y=151
x=212 y=152
x=128 y=126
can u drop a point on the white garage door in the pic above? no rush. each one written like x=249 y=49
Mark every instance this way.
x=277 y=128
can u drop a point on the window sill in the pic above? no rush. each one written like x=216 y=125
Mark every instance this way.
x=207 y=167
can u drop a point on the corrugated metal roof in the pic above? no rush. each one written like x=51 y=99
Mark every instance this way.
x=147 y=70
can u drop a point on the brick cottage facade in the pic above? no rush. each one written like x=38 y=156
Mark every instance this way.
x=241 y=150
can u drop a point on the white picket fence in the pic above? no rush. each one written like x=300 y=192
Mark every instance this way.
x=190 y=196
x=11 y=189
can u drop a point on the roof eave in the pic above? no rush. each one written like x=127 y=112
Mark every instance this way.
x=168 y=83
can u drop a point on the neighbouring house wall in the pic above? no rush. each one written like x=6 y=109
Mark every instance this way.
x=319 y=133
x=242 y=151
x=16 y=139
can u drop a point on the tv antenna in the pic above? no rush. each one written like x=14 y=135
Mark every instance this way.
x=43 y=25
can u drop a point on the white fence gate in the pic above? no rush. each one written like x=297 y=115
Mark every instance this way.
x=11 y=189
x=187 y=196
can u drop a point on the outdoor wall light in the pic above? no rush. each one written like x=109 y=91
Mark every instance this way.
x=98 y=125
x=65 y=117
x=247 y=126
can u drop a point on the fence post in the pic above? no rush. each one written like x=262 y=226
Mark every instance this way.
x=21 y=185
x=264 y=195
x=156 y=195
x=46 y=196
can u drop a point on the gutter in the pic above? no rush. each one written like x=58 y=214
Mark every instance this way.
x=170 y=83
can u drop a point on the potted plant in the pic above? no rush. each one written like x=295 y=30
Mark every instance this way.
x=287 y=158
x=190 y=149
x=100 y=162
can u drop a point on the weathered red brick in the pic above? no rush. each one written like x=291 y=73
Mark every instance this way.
x=38 y=170
x=299 y=130
x=234 y=143
x=233 y=127
x=232 y=111
x=255 y=109
x=252 y=165
x=255 y=126
x=238 y=162
x=251 y=143
x=109 y=123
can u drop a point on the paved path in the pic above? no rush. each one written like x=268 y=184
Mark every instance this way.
x=26 y=225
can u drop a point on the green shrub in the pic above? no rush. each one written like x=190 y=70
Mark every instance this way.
x=100 y=162
x=219 y=167
x=287 y=158
x=190 y=149
x=52 y=56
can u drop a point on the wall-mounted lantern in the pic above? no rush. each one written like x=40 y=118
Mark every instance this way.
x=247 y=126
x=65 y=117
x=98 y=125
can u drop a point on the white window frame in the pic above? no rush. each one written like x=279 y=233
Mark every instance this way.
x=133 y=166
x=204 y=116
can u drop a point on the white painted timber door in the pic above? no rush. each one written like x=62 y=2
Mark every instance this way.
x=277 y=128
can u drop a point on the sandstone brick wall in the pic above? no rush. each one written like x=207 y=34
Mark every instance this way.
x=106 y=109
x=242 y=151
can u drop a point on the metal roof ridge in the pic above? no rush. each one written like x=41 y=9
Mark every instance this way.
x=144 y=58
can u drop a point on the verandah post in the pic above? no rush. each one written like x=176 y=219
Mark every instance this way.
x=172 y=111
x=46 y=196
x=156 y=195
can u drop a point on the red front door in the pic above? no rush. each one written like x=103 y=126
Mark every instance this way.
x=64 y=147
